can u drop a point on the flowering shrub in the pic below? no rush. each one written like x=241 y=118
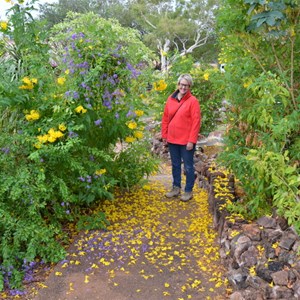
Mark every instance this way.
x=259 y=46
x=66 y=113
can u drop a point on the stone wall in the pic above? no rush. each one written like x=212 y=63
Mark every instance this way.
x=261 y=257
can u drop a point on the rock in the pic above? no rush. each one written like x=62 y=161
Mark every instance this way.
x=238 y=278
x=280 y=277
x=273 y=235
x=249 y=257
x=236 y=296
x=296 y=288
x=276 y=266
x=264 y=274
x=252 y=231
x=287 y=243
x=267 y=222
x=240 y=245
x=281 y=292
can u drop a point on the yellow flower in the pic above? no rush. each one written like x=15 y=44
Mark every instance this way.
x=100 y=172
x=29 y=83
x=160 y=85
x=62 y=127
x=206 y=76
x=246 y=84
x=43 y=138
x=132 y=125
x=3 y=25
x=34 y=115
x=37 y=145
x=51 y=139
x=138 y=134
x=61 y=80
x=139 y=112
x=67 y=72
x=129 y=139
x=80 y=109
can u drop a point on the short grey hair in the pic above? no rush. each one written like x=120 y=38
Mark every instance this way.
x=187 y=77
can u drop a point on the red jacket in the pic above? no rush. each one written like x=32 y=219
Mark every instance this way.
x=185 y=125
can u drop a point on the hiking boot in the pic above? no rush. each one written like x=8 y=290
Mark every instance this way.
x=174 y=192
x=186 y=196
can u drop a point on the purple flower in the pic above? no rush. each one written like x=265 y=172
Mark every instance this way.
x=98 y=122
x=5 y=150
x=117 y=116
x=75 y=95
x=62 y=204
x=67 y=212
x=72 y=134
x=81 y=178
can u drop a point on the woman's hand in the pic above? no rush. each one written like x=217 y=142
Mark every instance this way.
x=189 y=146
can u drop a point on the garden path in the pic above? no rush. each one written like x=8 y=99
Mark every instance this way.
x=155 y=248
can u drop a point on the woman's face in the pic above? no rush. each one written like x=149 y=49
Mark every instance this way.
x=183 y=86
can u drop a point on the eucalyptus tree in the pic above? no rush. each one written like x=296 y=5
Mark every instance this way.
x=172 y=26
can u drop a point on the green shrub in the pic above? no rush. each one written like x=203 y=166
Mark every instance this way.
x=67 y=102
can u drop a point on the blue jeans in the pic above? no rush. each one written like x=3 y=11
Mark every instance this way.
x=178 y=154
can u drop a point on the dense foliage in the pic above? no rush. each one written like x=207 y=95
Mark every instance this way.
x=71 y=130
x=260 y=46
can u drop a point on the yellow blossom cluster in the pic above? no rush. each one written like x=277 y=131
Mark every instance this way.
x=139 y=112
x=52 y=136
x=161 y=85
x=33 y=115
x=137 y=134
x=3 y=25
x=61 y=80
x=100 y=172
x=132 y=125
x=28 y=83
x=80 y=109
x=206 y=76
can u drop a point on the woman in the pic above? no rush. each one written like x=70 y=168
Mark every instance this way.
x=180 y=127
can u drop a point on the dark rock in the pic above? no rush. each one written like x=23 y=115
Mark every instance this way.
x=276 y=266
x=256 y=282
x=238 y=278
x=287 y=243
x=282 y=222
x=267 y=222
x=273 y=235
x=264 y=274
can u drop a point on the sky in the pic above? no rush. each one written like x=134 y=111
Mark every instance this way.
x=4 y=6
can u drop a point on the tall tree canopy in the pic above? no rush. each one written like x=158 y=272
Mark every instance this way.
x=172 y=28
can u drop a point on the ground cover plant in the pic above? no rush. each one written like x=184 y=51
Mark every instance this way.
x=260 y=46
x=71 y=130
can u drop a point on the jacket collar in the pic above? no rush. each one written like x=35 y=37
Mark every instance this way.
x=186 y=95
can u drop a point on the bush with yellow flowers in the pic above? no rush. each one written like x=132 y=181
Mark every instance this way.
x=71 y=129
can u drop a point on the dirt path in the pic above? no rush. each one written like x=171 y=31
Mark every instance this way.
x=155 y=248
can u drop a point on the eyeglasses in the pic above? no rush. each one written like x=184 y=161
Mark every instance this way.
x=184 y=85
